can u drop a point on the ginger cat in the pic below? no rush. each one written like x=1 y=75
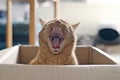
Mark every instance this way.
x=57 y=44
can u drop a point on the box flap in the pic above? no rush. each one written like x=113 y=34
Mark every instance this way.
x=92 y=55
x=100 y=57
x=9 y=55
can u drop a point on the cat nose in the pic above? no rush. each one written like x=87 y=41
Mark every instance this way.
x=58 y=22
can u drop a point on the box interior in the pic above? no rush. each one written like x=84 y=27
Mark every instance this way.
x=85 y=55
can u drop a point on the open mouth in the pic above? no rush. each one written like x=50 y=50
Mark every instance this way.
x=56 y=39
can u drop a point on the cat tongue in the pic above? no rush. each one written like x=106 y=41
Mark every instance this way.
x=56 y=43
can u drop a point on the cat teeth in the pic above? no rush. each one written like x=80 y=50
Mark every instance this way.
x=55 y=49
x=60 y=29
x=53 y=28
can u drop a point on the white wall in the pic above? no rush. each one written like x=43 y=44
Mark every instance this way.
x=89 y=15
x=2 y=5
x=104 y=1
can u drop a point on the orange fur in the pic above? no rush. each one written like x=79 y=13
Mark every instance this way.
x=66 y=54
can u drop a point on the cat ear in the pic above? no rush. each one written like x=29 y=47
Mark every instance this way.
x=42 y=21
x=75 y=26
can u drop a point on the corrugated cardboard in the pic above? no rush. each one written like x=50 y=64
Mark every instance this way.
x=93 y=66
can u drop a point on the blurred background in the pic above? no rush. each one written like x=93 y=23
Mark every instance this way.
x=99 y=21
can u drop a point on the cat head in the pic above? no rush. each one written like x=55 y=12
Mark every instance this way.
x=57 y=34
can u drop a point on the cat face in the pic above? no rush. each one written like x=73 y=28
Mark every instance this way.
x=57 y=34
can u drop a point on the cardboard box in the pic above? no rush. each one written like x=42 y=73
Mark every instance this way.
x=94 y=65
x=112 y=50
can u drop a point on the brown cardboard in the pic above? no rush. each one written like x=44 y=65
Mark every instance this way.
x=88 y=54
x=92 y=55
x=85 y=54
x=44 y=72
x=112 y=50
x=89 y=58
